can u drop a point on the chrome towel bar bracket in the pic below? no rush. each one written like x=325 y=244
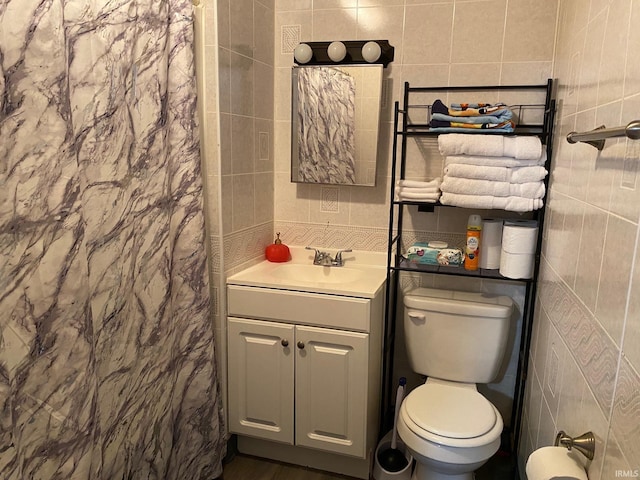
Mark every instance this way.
x=596 y=137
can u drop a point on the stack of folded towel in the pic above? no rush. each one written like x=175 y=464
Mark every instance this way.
x=493 y=172
x=417 y=191
x=470 y=117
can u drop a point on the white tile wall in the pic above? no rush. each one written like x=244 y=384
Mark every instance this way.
x=589 y=292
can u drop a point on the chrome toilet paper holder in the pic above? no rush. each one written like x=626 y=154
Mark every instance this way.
x=585 y=443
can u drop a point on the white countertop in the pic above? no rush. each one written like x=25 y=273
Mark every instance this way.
x=362 y=275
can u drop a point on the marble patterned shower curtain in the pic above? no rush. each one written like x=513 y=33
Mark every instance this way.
x=107 y=365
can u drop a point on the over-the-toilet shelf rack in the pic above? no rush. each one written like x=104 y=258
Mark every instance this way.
x=404 y=129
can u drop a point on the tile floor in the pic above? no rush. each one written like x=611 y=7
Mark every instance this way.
x=243 y=467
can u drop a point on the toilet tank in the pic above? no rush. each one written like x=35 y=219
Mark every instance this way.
x=457 y=336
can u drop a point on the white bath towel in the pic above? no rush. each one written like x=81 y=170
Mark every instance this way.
x=513 y=204
x=418 y=184
x=470 y=186
x=522 y=148
x=495 y=161
x=415 y=194
x=500 y=174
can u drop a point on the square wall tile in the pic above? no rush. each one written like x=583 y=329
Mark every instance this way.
x=263 y=98
x=470 y=19
x=632 y=72
x=530 y=30
x=264 y=24
x=588 y=78
x=590 y=253
x=263 y=197
x=632 y=324
x=243 y=201
x=241 y=74
x=427 y=34
x=242 y=138
x=335 y=24
x=626 y=412
x=614 y=52
x=613 y=290
x=241 y=27
x=625 y=190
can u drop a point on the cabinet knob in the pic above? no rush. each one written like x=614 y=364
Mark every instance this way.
x=284 y=342
x=300 y=345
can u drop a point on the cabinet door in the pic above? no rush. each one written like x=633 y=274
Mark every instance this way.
x=331 y=389
x=261 y=379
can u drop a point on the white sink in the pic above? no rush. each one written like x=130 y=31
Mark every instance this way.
x=363 y=274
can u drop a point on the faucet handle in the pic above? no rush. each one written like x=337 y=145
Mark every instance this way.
x=318 y=256
x=338 y=258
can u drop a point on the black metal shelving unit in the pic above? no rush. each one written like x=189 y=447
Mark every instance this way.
x=404 y=129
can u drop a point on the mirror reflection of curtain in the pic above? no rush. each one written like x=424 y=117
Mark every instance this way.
x=326 y=126
x=107 y=366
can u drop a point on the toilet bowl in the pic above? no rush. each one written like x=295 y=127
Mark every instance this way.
x=456 y=339
x=450 y=429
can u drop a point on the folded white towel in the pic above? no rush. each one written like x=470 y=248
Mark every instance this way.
x=429 y=190
x=470 y=186
x=500 y=174
x=522 y=148
x=414 y=194
x=418 y=184
x=513 y=204
x=494 y=161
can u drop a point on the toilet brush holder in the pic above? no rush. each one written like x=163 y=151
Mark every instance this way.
x=379 y=473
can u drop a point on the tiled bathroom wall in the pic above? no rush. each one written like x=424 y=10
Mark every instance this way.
x=436 y=43
x=237 y=136
x=246 y=73
x=585 y=359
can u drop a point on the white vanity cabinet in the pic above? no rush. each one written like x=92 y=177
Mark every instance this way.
x=321 y=371
x=304 y=364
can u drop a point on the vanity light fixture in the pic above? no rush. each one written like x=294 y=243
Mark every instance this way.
x=348 y=52
x=337 y=51
x=303 y=53
x=371 y=51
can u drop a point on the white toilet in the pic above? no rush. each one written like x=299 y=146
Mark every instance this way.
x=457 y=339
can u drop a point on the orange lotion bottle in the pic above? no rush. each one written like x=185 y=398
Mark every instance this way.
x=472 y=248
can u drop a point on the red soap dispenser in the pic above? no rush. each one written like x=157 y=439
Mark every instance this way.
x=277 y=251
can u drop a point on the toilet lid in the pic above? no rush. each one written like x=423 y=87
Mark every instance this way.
x=451 y=412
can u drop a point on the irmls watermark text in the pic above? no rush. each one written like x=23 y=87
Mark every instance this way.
x=627 y=473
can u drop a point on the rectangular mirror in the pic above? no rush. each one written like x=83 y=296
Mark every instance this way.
x=335 y=121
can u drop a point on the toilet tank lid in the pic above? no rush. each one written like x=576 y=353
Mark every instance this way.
x=459 y=303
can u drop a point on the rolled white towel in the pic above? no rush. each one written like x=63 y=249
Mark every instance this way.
x=419 y=184
x=429 y=190
x=500 y=174
x=522 y=148
x=415 y=194
x=512 y=204
x=495 y=161
x=470 y=186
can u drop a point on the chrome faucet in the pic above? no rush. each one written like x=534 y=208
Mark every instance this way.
x=324 y=258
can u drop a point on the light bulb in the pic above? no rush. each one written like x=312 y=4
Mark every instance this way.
x=371 y=52
x=302 y=53
x=337 y=51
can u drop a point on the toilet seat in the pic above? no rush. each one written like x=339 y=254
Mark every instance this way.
x=452 y=416
x=450 y=411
